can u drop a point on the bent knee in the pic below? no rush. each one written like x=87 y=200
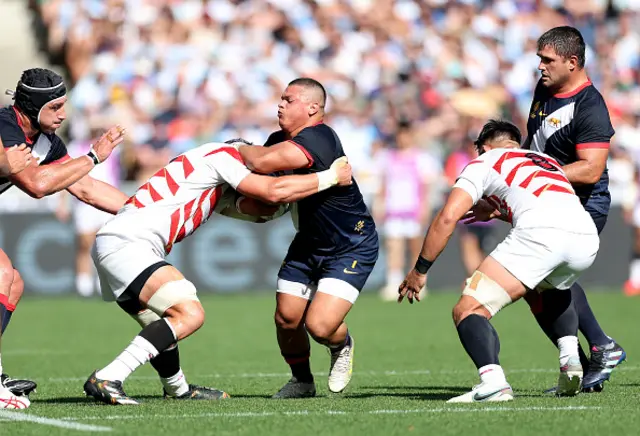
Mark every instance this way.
x=320 y=329
x=287 y=319
x=187 y=316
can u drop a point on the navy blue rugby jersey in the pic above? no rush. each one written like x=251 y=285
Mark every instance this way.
x=45 y=148
x=561 y=124
x=335 y=220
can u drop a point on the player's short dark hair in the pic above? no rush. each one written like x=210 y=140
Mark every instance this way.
x=567 y=41
x=497 y=129
x=40 y=78
x=241 y=140
x=309 y=83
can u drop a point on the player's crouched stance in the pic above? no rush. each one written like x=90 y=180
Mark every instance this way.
x=130 y=252
x=552 y=241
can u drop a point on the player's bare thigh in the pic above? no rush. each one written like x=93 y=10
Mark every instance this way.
x=326 y=315
x=186 y=316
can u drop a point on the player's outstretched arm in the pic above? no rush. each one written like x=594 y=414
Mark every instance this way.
x=288 y=189
x=438 y=235
x=279 y=157
x=98 y=194
x=40 y=181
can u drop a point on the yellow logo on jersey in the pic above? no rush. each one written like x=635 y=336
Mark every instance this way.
x=554 y=122
x=534 y=109
x=359 y=226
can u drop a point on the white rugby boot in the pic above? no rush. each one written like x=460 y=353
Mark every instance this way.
x=341 y=367
x=486 y=392
x=570 y=378
x=10 y=401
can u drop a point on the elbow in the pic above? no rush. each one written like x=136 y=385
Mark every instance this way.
x=258 y=165
x=37 y=190
x=275 y=194
x=447 y=219
x=594 y=177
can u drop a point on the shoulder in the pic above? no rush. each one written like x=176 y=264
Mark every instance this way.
x=10 y=130
x=275 y=137
x=591 y=96
x=591 y=107
x=318 y=133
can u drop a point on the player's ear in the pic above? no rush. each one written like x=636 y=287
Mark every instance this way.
x=573 y=63
x=314 y=108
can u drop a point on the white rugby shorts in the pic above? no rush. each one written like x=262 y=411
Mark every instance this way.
x=547 y=258
x=119 y=262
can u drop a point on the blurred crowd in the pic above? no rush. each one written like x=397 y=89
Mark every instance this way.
x=178 y=73
x=421 y=75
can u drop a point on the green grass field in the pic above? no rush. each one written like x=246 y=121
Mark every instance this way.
x=408 y=361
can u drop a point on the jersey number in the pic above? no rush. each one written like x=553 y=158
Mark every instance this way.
x=541 y=161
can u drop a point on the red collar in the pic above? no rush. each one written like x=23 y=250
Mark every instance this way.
x=29 y=140
x=574 y=92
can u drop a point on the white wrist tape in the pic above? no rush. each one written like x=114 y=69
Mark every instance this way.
x=327 y=179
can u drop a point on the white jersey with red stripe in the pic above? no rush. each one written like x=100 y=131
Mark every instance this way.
x=179 y=198
x=528 y=187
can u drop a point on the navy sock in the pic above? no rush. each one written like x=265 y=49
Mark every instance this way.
x=480 y=340
x=587 y=320
x=338 y=348
x=5 y=315
x=300 y=367
x=167 y=363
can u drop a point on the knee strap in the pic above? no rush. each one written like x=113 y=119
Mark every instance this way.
x=487 y=292
x=170 y=294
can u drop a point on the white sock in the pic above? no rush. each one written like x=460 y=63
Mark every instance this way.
x=139 y=352
x=1 y=364
x=568 y=346
x=175 y=385
x=634 y=273
x=84 y=284
x=492 y=374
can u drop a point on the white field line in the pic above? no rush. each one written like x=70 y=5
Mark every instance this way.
x=7 y=415
x=390 y=373
x=439 y=410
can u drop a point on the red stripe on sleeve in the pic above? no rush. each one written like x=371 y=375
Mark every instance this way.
x=304 y=150
x=588 y=145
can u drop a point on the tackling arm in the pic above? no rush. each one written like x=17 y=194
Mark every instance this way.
x=40 y=181
x=98 y=194
x=279 y=157
x=289 y=189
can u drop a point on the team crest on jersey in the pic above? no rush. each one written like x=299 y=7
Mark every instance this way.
x=554 y=122
x=534 y=109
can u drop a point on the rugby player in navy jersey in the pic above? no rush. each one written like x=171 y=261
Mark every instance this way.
x=570 y=122
x=335 y=247
x=38 y=111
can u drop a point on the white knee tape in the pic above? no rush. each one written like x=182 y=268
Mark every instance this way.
x=171 y=294
x=145 y=317
x=486 y=292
